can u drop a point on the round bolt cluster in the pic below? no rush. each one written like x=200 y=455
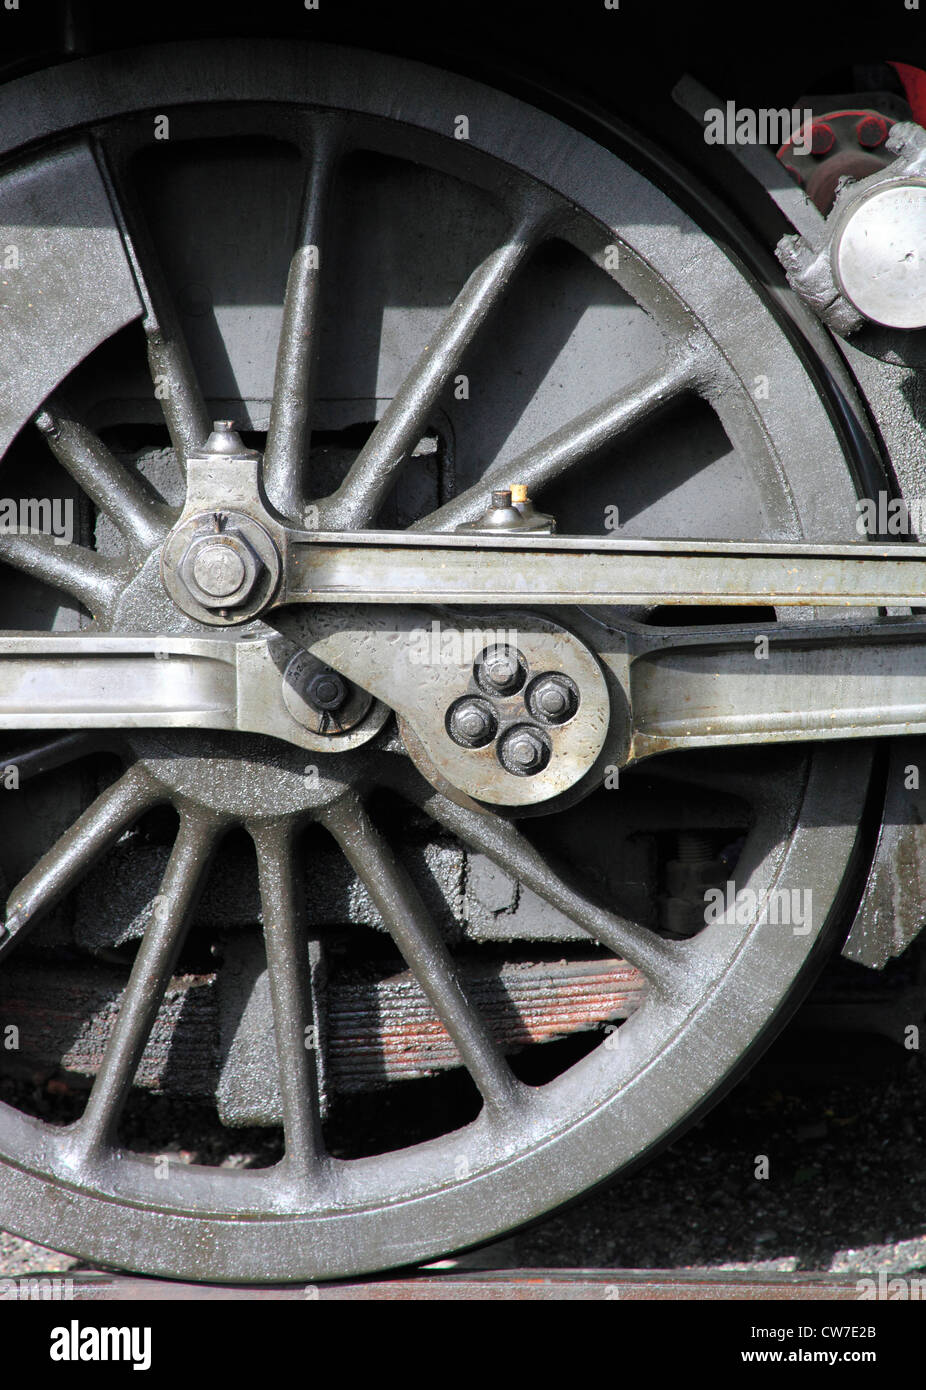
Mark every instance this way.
x=474 y=721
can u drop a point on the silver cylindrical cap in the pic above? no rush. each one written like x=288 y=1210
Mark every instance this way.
x=879 y=257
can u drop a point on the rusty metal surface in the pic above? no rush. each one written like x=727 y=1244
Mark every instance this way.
x=495 y=1286
x=378 y=1029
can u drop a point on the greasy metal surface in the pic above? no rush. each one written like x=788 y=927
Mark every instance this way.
x=812 y=681
x=890 y=912
x=383 y=568
x=66 y=680
x=673 y=689
x=313 y=1216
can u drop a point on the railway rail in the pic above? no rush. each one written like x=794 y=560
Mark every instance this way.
x=498 y=1286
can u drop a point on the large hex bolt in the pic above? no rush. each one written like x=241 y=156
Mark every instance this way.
x=553 y=698
x=524 y=750
x=500 y=670
x=471 y=722
x=220 y=568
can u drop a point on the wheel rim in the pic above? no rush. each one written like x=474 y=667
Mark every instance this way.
x=530 y=1148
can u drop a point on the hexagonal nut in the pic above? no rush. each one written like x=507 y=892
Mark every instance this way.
x=471 y=722
x=220 y=568
x=552 y=698
x=524 y=750
x=500 y=669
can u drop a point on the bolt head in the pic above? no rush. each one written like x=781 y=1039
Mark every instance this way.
x=553 y=701
x=326 y=690
x=822 y=138
x=220 y=569
x=500 y=670
x=472 y=723
x=871 y=132
x=524 y=750
x=553 y=697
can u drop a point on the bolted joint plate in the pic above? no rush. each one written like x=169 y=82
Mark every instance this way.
x=429 y=672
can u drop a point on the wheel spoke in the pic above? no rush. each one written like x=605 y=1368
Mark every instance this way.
x=91 y=579
x=70 y=858
x=286 y=943
x=405 y=419
x=423 y=948
x=664 y=963
x=569 y=445
x=50 y=754
x=175 y=384
x=142 y=522
x=151 y=974
x=289 y=430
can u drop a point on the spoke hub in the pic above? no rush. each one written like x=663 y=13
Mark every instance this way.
x=243 y=775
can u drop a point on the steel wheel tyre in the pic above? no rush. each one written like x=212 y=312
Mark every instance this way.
x=695 y=329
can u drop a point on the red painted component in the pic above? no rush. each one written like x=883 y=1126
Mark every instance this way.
x=822 y=138
x=838 y=144
x=914 y=85
x=871 y=131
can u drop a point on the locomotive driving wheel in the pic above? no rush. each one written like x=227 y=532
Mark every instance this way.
x=458 y=292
